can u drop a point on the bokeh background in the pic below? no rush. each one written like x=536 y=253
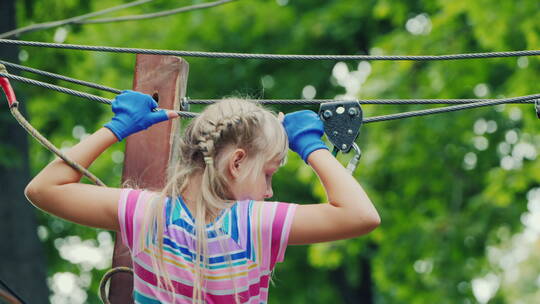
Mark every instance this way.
x=458 y=193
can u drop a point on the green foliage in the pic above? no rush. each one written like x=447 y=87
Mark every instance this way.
x=445 y=185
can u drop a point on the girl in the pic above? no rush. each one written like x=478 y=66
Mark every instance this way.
x=208 y=236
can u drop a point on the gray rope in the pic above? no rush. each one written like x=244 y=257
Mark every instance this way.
x=261 y=101
x=77 y=19
x=47 y=144
x=57 y=88
x=156 y=15
x=448 y=109
x=60 y=77
x=76 y=93
x=481 y=103
x=187 y=114
x=303 y=102
x=268 y=56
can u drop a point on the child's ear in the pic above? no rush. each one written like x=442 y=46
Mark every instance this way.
x=236 y=161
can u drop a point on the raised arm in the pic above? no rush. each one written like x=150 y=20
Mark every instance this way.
x=57 y=190
x=349 y=212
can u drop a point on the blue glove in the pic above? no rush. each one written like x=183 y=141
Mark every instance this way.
x=133 y=113
x=304 y=129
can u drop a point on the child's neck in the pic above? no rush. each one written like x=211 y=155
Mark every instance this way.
x=190 y=194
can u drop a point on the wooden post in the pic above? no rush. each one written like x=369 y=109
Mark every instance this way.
x=148 y=152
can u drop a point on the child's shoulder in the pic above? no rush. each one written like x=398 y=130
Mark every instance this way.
x=136 y=196
x=250 y=204
x=265 y=207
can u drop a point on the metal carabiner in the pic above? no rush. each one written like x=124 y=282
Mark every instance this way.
x=353 y=163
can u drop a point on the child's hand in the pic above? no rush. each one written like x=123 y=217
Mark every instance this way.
x=304 y=129
x=133 y=112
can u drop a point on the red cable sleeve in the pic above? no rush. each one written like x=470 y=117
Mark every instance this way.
x=8 y=90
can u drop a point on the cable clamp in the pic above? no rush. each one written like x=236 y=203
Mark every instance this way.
x=184 y=103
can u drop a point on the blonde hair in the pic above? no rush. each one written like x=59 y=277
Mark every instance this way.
x=204 y=149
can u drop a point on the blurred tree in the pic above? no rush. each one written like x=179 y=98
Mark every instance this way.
x=445 y=185
x=22 y=264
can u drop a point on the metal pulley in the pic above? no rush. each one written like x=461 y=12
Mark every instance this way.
x=342 y=121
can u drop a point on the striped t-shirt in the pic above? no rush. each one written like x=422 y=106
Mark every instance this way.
x=254 y=233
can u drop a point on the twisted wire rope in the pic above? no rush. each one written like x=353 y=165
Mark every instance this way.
x=76 y=93
x=520 y=99
x=76 y=19
x=305 y=102
x=269 y=56
x=57 y=88
x=84 y=19
x=47 y=144
x=157 y=14
x=60 y=77
x=492 y=102
x=261 y=101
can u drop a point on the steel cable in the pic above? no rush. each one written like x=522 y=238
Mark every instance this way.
x=527 y=100
x=57 y=88
x=156 y=15
x=47 y=25
x=520 y=99
x=47 y=144
x=76 y=93
x=305 y=102
x=60 y=77
x=268 y=56
x=448 y=109
x=84 y=19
